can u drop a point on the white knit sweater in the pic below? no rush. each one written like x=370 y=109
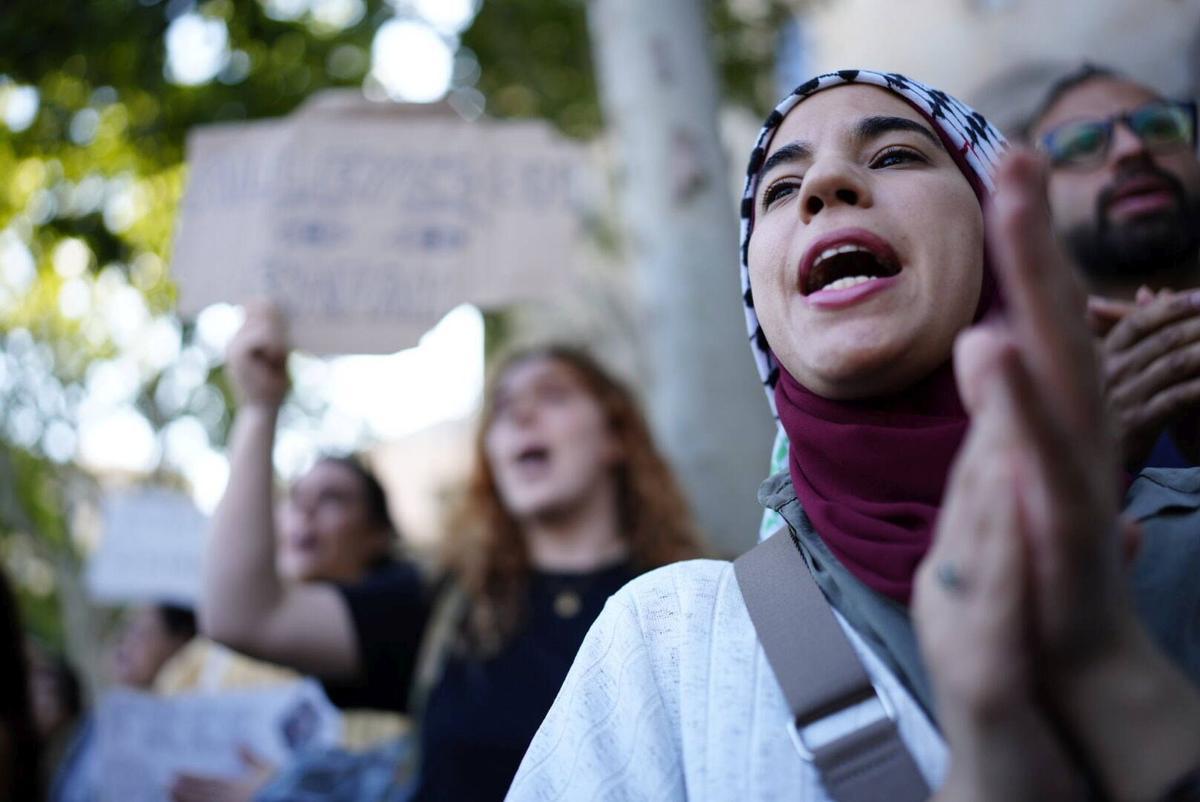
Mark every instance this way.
x=671 y=698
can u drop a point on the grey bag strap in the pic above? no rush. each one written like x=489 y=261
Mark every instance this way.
x=821 y=676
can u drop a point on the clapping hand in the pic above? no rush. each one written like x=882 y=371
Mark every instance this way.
x=1020 y=605
x=1151 y=366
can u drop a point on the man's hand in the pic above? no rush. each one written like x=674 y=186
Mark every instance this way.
x=1151 y=366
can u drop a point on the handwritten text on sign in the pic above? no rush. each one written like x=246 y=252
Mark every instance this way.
x=367 y=230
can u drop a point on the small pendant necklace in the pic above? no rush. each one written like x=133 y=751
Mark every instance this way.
x=567 y=603
x=567 y=592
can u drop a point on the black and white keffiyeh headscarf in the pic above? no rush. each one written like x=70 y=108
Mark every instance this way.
x=973 y=142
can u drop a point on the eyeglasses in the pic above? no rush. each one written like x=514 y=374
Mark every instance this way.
x=1161 y=126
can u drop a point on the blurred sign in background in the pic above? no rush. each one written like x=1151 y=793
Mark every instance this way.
x=366 y=224
x=145 y=740
x=151 y=549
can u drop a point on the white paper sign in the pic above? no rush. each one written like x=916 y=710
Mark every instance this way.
x=367 y=229
x=145 y=740
x=151 y=550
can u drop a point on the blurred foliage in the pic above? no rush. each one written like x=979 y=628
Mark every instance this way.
x=32 y=501
x=90 y=183
x=87 y=205
x=107 y=111
x=536 y=57
x=745 y=39
x=107 y=53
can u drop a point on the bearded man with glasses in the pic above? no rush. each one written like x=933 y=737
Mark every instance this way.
x=1125 y=195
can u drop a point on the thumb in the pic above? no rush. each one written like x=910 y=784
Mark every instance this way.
x=1104 y=313
x=978 y=355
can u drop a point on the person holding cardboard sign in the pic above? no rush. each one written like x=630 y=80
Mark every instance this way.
x=568 y=500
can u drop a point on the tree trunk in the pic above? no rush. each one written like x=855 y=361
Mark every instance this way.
x=658 y=89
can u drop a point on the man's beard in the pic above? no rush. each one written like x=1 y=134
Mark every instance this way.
x=1142 y=246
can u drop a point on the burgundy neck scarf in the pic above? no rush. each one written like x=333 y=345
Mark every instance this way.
x=870 y=475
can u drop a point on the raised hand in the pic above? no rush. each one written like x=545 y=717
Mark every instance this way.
x=1069 y=470
x=257 y=358
x=1033 y=387
x=973 y=604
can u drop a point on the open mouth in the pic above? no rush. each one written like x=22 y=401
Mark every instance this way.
x=305 y=543
x=847 y=262
x=533 y=457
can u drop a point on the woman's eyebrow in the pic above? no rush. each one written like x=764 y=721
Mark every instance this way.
x=791 y=152
x=869 y=128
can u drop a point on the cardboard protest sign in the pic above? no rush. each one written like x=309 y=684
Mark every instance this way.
x=152 y=548
x=367 y=228
x=144 y=740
